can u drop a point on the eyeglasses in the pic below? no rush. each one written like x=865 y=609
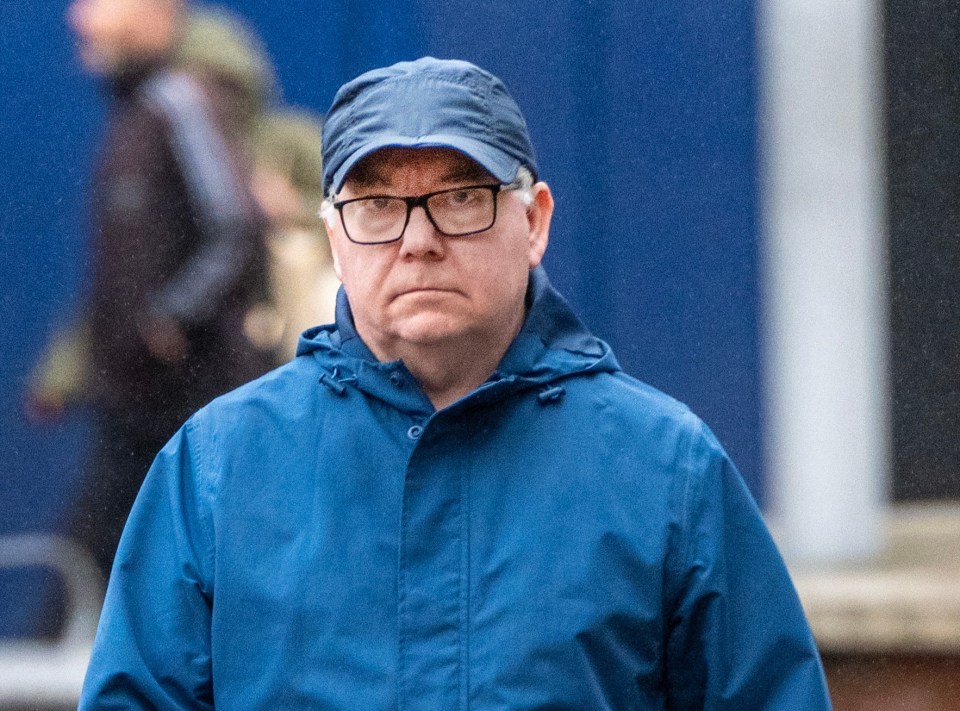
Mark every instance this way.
x=456 y=212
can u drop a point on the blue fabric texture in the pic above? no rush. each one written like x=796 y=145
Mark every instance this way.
x=444 y=103
x=564 y=537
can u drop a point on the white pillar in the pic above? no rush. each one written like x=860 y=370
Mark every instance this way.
x=824 y=276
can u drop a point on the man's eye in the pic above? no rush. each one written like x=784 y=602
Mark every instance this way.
x=461 y=198
x=379 y=204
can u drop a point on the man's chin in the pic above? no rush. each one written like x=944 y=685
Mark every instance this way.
x=430 y=328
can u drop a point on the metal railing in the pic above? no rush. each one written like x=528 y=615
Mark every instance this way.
x=45 y=674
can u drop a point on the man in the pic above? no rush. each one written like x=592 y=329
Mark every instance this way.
x=453 y=497
x=177 y=256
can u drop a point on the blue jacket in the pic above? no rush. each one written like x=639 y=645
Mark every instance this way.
x=565 y=537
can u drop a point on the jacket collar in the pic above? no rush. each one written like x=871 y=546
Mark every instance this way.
x=553 y=344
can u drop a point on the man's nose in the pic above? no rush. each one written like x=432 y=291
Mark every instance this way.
x=421 y=237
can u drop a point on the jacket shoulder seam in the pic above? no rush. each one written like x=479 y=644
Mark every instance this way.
x=205 y=490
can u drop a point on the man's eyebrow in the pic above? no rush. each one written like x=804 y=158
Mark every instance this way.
x=466 y=172
x=367 y=176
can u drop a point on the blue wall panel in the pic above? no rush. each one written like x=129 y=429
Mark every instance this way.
x=643 y=115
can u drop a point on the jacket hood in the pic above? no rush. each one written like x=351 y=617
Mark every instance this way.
x=552 y=345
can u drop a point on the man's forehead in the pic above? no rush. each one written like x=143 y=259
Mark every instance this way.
x=389 y=164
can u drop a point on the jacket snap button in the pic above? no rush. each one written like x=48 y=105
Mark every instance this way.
x=414 y=432
x=396 y=379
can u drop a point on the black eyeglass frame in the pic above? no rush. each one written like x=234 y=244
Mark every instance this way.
x=421 y=201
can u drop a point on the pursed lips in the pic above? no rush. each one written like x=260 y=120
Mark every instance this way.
x=424 y=290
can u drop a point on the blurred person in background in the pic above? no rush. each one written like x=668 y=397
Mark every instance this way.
x=303 y=284
x=284 y=143
x=177 y=244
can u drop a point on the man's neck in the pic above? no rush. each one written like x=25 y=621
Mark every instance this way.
x=453 y=369
x=448 y=374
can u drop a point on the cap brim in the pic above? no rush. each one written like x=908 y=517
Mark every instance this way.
x=499 y=164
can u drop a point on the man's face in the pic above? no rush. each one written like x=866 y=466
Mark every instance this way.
x=113 y=33
x=428 y=289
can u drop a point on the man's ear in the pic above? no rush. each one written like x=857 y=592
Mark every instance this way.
x=539 y=212
x=330 y=222
x=336 y=265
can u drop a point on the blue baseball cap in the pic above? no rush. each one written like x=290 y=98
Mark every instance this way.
x=429 y=103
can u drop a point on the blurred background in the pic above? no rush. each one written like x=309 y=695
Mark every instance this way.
x=757 y=206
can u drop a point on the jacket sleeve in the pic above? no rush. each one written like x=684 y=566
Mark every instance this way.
x=738 y=637
x=152 y=648
x=223 y=207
